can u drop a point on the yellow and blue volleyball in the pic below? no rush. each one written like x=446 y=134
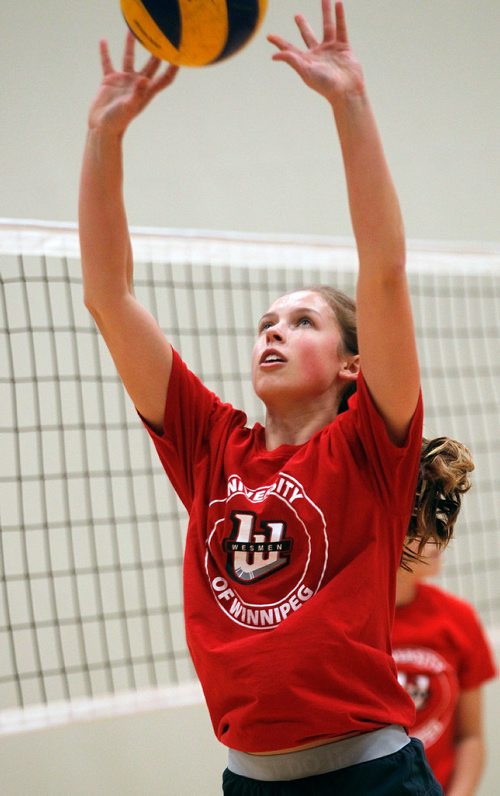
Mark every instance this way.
x=193 y=32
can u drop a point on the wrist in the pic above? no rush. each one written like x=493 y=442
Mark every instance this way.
x=350 y=102
x=101 y=137
x=104 y=151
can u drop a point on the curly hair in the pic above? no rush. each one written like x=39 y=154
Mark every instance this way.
x=443 y=478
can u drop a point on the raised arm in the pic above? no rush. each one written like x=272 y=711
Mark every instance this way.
x=385 y=326
x=139 y=349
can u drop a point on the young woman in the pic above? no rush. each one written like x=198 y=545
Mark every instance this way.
x=296 y=527
x=440 y=648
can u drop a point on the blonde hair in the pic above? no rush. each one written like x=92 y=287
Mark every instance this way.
x=443 y=478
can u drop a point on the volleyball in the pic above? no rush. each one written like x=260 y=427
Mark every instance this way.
x=193 y=32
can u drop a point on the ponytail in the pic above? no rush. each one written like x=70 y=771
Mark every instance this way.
x=443 y=478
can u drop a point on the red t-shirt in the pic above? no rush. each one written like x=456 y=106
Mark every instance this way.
x=290 y=565
x=440 y=650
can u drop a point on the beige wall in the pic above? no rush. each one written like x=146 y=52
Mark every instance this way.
x=243 y=145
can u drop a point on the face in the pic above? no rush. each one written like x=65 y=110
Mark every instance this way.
x=430 y=566
x=298 y=354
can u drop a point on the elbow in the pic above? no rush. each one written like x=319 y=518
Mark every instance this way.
x=106 y=307
x=392 y=264
x=395 y=271
x=393 y=261
x=387 y=276
x=103 y=298
x=91 y=304
x=387 y=265
x=96 y=310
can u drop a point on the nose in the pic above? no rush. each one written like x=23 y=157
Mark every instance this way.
x=275 y=333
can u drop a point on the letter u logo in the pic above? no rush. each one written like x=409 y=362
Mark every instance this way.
x=251 y=554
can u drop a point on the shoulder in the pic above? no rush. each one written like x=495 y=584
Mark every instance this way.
x=186 y=387
x=447 y=597
x=433 y=593
x=367 y=414
x=390 y=467
x=460 y=612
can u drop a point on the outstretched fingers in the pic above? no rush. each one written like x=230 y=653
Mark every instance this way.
x=341 y=23
x=288 y=54
x=128 y=53
x=329 y=31
x=165 y=79
x=150 y=68
x=334 y=30
x=295 y=60
x=282 y=44
x=107 y=65
x=306 y=31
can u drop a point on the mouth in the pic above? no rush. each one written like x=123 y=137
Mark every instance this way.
x=272 y=357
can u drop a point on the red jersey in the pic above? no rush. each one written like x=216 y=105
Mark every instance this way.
x=440 y=650
x=290 y=565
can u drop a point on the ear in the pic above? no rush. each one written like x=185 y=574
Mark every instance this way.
x=349 y=370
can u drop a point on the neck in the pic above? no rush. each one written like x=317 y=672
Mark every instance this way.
x=296 y=426
x=406 y=588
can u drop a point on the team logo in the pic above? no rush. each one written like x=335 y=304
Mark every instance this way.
x=262 y=561
x=255 y=548
x=429 y=679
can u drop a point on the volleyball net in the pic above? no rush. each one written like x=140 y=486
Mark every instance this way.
x=92 y=534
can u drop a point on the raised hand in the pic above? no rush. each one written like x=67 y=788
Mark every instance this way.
x=328 y=66
x=123 y=95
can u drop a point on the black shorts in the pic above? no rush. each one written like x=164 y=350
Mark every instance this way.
x=403 y=773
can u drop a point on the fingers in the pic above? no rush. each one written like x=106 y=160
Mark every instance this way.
x=306 y=32
x=107 y=66
x=329 y=32
x=166 y=78
x=341 y=24
x=333 y=30
x=293 y=59
x=128 y=53
x=282 y=44
x=150 y=68
x=145 y=89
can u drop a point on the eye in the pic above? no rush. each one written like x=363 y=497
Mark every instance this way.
x=305 y=321
x=264 y=325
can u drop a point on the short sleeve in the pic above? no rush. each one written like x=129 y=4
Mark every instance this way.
x=191 y=411
x=393 y=468
x=477 y=664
